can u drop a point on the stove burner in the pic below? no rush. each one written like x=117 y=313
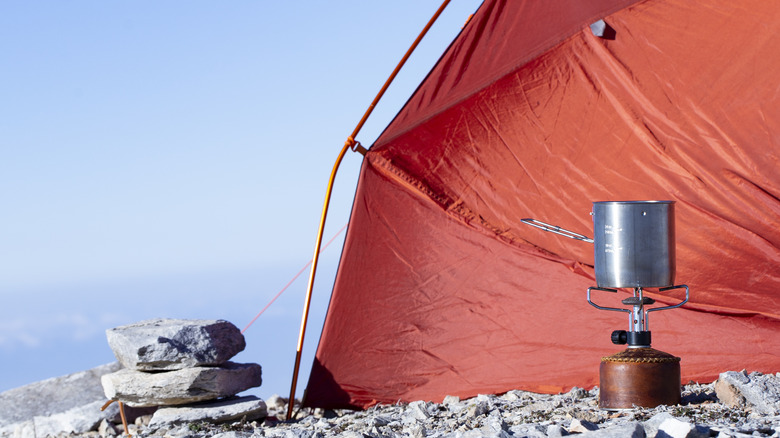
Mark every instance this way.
x=638 y=334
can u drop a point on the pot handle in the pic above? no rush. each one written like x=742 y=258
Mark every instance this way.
x=556 y=229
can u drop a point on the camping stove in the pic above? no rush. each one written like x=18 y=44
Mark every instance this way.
x=639 y=375
x=634 y=247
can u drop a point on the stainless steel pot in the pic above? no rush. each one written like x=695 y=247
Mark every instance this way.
x=634 y=243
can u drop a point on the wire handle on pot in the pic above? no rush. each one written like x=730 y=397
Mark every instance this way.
x=556 y=229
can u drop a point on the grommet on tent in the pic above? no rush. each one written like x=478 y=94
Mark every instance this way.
x=603 y=30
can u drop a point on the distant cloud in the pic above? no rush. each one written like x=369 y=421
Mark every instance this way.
x=11 y=339
x=32 y=332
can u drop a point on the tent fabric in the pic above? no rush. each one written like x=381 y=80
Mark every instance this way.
x=441 y=290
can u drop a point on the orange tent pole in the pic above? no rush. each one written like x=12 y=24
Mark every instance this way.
x=355 y=146
x=315 y=260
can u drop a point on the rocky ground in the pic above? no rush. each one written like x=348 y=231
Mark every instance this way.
x=514 y=414
x=175 y=380
x=737 y=404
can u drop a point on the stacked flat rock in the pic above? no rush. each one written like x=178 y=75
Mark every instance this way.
x=173 y=362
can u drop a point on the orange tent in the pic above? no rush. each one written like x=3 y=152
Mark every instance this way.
x=442 y=290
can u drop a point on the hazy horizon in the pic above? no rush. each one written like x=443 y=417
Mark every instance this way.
x=72 y=337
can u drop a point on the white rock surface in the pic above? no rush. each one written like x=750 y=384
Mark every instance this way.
x=172 y=344
x=581 y=426
x=674 y=428
x=756 y=391
x=78 y=420
x=233 y=434
x=628 y=430
x=106 y=428
x=247 y=408
x=189 y=385
x=67 y=401
x=651 y=426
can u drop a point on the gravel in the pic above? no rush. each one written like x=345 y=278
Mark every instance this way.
x=514 y=414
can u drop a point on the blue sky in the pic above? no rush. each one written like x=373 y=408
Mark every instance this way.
x=169 y=159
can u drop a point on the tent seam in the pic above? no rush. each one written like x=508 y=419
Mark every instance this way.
x=458 y=211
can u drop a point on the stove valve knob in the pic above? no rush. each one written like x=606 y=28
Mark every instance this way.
x=619 y=337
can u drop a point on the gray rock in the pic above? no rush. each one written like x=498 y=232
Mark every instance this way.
x=577 y=393
x=189 y=385
x=143 y=420
x=513 y=395
x=556 y=431
x=351 y=434
x=232 y=409
x=106 y=428
x=132 y=414
x=528 y=430
x=78 y=420
x=651 y=426
x=727 y=388
x=277 y=402
x=478 y=407
x=25 y=429
x=590 y=414
x=580 y=426
x=233 y=434
x=172 y=344
x=626 y=430
x=674 y=428
x=759 y=392
x=451 y=400
x=416 y=411
x=58 y=397
x=494 y=426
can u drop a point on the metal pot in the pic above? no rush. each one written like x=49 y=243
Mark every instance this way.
x=633 y=243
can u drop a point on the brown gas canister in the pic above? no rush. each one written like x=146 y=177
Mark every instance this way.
x=643 y=377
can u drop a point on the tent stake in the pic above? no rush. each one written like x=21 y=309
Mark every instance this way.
x=355 y=146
